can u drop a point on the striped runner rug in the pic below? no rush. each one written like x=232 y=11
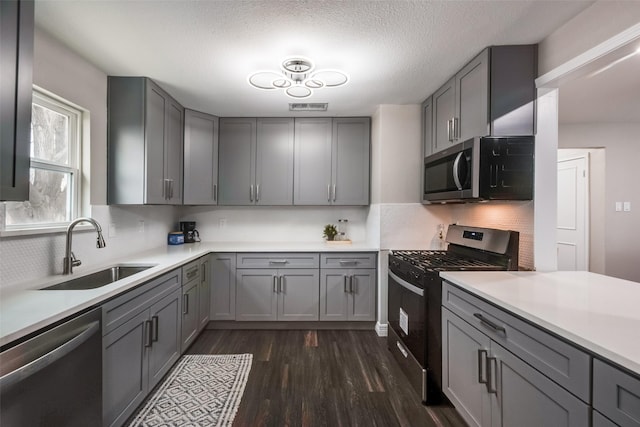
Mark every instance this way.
x=201 y=390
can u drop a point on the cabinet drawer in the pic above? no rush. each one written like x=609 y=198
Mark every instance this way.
x=616 y=394
x=191 y=271
x=278 y=260
x=348 y=260
x=122 y=308
x=558 y=360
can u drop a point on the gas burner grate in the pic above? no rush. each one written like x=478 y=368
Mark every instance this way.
x=442 y=260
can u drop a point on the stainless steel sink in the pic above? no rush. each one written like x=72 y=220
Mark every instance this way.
x=99 y=278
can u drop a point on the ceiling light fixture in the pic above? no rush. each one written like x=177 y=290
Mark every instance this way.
x=298 y=78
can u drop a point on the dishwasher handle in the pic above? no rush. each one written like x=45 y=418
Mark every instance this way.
x=49 y=358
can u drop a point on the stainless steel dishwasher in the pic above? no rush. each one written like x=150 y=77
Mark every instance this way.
x=54 y=378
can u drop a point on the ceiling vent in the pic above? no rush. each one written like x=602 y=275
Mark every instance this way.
x=308 y=106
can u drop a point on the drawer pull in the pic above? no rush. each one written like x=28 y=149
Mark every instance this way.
x=402 y=350
x=192 y=273
x=277 y=261
x=348 y=262
x=489 y=323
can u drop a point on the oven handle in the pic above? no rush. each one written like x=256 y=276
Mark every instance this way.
x=407 y=285
x=48 y=358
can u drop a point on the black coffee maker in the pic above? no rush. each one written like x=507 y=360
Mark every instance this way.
x=188 y=228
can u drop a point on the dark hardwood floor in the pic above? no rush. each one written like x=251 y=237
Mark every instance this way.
x=322 y=378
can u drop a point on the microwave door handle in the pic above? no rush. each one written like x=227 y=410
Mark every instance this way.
x=456 y=170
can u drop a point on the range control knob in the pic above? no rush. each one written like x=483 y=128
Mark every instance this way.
x=416 y=275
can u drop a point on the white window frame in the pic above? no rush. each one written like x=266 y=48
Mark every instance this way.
x=74 y=168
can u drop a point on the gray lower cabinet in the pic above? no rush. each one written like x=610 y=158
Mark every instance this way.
x=616 y=394
x=144 y=143
x=16 y=65
x=332 y=161
x=492 y=385
x=348 y=294
x=140 y=344
x=200 y=158
x=277 y=294
x=190 y=303
x=256 y=161
x=599 y=420
x=223 y=286
x=204 y=292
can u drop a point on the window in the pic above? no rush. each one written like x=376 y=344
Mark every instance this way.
x=54 y=175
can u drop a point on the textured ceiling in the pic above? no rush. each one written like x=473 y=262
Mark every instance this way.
x=396 y=52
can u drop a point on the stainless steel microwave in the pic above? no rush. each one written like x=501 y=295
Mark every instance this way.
x=489 y=168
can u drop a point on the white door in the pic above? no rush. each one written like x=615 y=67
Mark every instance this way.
x=573 y=234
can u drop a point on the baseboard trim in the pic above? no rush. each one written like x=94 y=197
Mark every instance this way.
x=382 y=329
x=230 y=324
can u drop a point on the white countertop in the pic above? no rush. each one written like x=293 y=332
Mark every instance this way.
x=596 y=312
x=25 y=309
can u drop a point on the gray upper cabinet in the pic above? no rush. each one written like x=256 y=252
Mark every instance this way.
x=16 y=65
x=493 y=95
x=236 y=161
x=200 y=158
x=312 y=182
x=427 y=126
x=444 y=109
x=145 y=143
x=332 y=161
x=256 y=161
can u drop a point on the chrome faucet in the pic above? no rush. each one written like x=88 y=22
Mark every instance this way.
x=70 y=260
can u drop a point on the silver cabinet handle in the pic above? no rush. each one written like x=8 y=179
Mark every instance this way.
x=191 y=273
x=185 y=304
x=449 y=130
x=47 y=359
x=328 y=192
x=334 y=192
x=491 y=388
x=281 y=284
x=257 y=192
x=204 y=272
x=165 y=189
x=489 y=323
x=345 y=283
x=277 y=261
x=215 y=192
x=456 y=129
x=351 y=287
x=251 y=193
x=348 y=262
x=171 y=189
x=147 y=333
x=154 y=328
x=481 y=363
x=275 y=283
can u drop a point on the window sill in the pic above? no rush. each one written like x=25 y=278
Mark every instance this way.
x=59 y=229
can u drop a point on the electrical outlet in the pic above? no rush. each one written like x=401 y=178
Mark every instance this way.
x=626 y=206
x=141 y=226
x=113 y=230
x=618 y=206
x=222 y=223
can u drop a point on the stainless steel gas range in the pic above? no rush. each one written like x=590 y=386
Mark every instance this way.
x=415 y=298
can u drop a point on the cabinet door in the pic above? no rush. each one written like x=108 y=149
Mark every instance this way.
x=444 y=109
x=125 y=369
x=334 y=292
x=362 y=295
x=200 y=158
x=464 y=351
x=16 y=65
x=298 y=294
x=173 y=150
x=524 y=397
x=274 y=162
x=472 y=99
x=236 y=161
x=256 y=294
x=156 y=191
x=427 y=127
x=312 y=158
x=189 y=313
x=350 y=161
x=223 y=287
x=165 y=336
x=204 y=293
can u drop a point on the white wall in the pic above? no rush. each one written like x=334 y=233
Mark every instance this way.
x=23 y=258
x=622 y=174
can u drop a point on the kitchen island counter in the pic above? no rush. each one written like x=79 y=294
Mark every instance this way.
x=596 y=312
x=25 y=309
